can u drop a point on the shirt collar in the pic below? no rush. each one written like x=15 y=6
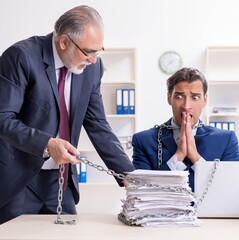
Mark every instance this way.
x=194 y=129
x=57 y=60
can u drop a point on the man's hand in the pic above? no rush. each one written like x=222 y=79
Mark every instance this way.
x=62 y=151
x=125 y=182
x=181 y=152
x=192 y=152
x=186 y=144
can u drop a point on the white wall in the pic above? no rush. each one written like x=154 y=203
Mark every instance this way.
x=152 y=26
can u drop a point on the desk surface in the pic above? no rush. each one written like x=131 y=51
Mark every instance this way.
x=103 y=227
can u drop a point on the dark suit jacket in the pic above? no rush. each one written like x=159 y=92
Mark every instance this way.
x=29 y=114
x=211 y=143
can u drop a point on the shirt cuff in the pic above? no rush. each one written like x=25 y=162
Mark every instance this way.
x=201 y=160
x=176 y=165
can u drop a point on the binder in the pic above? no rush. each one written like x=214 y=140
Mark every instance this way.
x=225 y=125
x=218 y=125
x=131 y=101
x=231 y=126
x=82 y=171
x=125 y=102
x=212 y=124
x=119 y=105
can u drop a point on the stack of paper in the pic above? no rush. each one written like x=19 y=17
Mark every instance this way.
x=156 y=198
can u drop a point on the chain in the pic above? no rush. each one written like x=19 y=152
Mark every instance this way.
x=209 y=183
x=133 y=181
x=160 y=160
x=61 y=182
x=169 y=127
x=163 y=188
x=132 y=222
x=60 y=197
x=160 y=148
x=102 y=169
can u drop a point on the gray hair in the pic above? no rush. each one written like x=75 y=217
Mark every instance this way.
x=75 y=20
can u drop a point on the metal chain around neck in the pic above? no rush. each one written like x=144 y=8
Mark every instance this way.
x=160 y=147
x=160 y=159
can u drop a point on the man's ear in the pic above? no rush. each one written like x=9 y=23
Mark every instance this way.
x=169 y=98
x=205 y=100
x=63 y=41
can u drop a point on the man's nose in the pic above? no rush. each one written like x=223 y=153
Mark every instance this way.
x=92 y=59
x=187 y=103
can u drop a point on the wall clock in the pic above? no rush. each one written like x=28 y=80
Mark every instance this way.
x=170 y=62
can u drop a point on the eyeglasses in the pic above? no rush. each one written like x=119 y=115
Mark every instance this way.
x=87 y=54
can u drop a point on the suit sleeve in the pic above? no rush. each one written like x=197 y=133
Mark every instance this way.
x=100 y=133
x=231 y=152
x=140 y=159
x=14 y=80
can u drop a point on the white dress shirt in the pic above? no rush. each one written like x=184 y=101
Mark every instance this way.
x=50 y=163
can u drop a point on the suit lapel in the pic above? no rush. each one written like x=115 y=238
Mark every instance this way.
x=48 y=59
x=200 y=136
x=168 y=140
x=76 y=87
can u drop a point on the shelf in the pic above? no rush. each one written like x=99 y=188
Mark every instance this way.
x=222 y=63
x=222 y=49
x=90 y=150
x=228 y=82
x=119 y=65
x=98 y=184
x=224 y=114
x=121 y=116
x=110 y=83
x=222 y=73
x=120 y=73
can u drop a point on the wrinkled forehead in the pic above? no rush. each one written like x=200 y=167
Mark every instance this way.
x=194 y=87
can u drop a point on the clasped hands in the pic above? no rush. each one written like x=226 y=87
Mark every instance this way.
x=186 y=144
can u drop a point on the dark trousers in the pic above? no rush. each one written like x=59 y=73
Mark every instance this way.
x=40 y=196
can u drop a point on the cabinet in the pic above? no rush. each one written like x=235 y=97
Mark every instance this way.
x=222 y=73
x=120 y=73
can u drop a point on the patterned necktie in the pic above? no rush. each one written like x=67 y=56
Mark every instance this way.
x=64 y=130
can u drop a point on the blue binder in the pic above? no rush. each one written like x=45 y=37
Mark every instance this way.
x=119 y=104
x=125 y=101
x=231 y=126
x=131 y=101
x=83 y=171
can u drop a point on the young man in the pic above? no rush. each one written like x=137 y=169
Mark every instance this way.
x=184 y=140
x=32 y=142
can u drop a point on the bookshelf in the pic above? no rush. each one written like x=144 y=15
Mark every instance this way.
x=222 y=72
x=120 y=73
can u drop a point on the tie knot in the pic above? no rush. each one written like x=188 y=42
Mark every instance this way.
x=63 y=72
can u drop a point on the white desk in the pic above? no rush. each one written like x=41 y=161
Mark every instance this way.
x=103 y=227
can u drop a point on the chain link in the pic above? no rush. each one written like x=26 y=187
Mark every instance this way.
x=209 y=183
x=102 y=169
x=60 y=198
x=169 y=127
x=61 y=182
x=160 y=160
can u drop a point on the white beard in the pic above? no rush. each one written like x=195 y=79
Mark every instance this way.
x=76 y=70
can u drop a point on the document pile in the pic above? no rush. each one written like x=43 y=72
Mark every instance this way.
x=158 y=198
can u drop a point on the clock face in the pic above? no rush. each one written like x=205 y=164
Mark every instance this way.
x=170 y=62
